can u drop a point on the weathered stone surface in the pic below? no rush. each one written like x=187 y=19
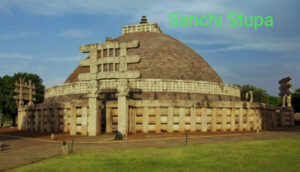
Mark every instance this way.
x=162 y=57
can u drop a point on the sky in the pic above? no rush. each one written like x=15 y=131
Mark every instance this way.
x=43 y=37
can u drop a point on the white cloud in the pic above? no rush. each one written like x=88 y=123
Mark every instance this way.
x=54 y=80
x=75 y=33
x=206 y=42
x=64 y=59
x=10 y=69
x=262 y=75
x=61 y=7
x=4 y=8
x=17 y=35
x=11 y=56
x=258 y=46
x=277 y=38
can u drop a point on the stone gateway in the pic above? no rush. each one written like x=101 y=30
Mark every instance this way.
x=146 y=81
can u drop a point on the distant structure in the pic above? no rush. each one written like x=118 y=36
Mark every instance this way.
x=249 y=96
x=145 y=81
x=285 y=92
x=25 y=92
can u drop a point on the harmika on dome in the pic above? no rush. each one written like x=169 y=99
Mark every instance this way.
x=144 y=81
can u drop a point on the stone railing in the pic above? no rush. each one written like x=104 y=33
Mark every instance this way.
x=68 y=88
x=147 y=27
x=160 y=85
x=150 y=85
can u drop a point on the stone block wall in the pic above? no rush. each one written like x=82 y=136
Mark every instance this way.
x=158 y=116
x=45 y=117
x=55 y=118
x=287 y=118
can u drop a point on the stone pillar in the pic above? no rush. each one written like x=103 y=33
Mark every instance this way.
x=65 y=123
x=193 y=119
x=133 y=120
x=170 y=119
x=30 y=120
x=122 y=89
x=248 y=116
x=21 y=116
x=282 y=116
x=181 y=120
x=36 y=120
x=145 y=118
x=84 y=125
x=283 y=101
x=42 y=129
x=94 y=117
x=56 y=120
x=47 y=115
x=157 y=120
x=232 y=125
x=69 y=112
x=108 y=120
x=255 y=119
x=274 y=119
x=214 y=119
x=73 y=121
x=292 y=117
x=259 y=119
x=204 y=119
x=123 y=115
x=289 y=100
x=241 y=120
x=224 y=120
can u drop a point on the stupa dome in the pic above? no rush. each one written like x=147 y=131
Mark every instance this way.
x=162 y=57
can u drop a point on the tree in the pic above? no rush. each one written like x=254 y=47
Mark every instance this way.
x=296 y=100
x=259 y=95
x=7 y=85
x=274 y=100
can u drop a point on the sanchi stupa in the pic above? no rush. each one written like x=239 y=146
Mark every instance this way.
x=146 y=81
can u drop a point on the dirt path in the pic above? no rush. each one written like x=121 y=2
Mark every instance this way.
x=18 y=151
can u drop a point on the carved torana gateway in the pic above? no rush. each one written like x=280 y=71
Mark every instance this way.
x=146 y=81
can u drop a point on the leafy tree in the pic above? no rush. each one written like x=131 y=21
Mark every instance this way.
x=7 y=85
x=259 y=95
x=296 y=100
x=274 y=100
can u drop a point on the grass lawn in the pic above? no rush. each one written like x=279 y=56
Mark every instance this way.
x=264 y=155
x=298 y=113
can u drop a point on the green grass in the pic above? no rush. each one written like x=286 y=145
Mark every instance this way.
x=264 y=155
x=297 y=113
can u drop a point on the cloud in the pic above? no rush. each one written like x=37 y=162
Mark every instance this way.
x=54 y=80
x=75 y=33
x=62 y=7
x=64 y=59
x=17 y=35
x=280 y=37
x=262 y=75
x=260 y=46
x=11 y=56
x=4 y=8
x=10 y=69
x=206 y=42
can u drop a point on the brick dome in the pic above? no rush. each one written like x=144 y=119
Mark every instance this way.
x=162 y=57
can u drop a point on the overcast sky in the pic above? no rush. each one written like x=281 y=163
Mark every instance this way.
x=43 y=37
